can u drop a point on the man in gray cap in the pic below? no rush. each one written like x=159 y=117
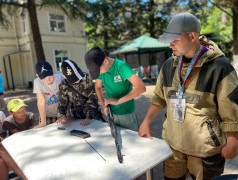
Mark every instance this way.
x=200 y=89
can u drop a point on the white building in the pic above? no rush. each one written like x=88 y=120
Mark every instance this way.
x=61 y=39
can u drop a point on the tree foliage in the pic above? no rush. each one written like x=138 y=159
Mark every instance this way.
x=220 y=26
x=230 y=7
x=112 y=23
x=128 y=19
x=103 y=22
x=210 y=13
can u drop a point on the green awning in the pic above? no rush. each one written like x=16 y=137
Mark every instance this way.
x=143 y=44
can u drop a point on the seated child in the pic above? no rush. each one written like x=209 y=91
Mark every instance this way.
x=19 y=120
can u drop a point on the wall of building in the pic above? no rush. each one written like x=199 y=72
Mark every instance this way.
x=73 y=28
x=15 y=40
x=76 y=52
x=8 y=45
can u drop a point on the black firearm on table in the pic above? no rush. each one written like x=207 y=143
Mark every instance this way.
x=114 y=132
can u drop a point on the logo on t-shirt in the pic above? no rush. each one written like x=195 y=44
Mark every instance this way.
x=52 y=100
x=117 y=78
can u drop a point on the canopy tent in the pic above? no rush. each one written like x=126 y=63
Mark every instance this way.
x=141 y=46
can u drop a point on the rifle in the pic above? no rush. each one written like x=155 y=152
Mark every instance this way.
x=114 y=132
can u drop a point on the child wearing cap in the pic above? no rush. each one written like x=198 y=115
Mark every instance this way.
x=121 y=86
x=46 y=88
x=77 y=90
x=19 y=120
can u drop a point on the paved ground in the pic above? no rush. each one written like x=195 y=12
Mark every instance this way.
x=142 y=105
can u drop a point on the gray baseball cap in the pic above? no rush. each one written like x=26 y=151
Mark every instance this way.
x=180 y=24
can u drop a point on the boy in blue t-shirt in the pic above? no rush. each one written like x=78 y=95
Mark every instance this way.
x=2 y=102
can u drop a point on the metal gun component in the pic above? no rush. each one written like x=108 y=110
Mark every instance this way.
x=114 y=132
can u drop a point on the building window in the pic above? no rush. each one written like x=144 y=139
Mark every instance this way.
x=60 y=56
x=57 y=23
x=24 y=23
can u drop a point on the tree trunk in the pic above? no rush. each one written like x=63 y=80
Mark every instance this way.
x=152 y=19
x=40 y=55
x=235 y=34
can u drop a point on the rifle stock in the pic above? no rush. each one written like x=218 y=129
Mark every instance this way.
x=114 y=132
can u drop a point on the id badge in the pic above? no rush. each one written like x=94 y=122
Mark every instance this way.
x=178 y=105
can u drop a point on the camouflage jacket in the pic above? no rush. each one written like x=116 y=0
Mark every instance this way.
x=80 y=107
x=211 y=97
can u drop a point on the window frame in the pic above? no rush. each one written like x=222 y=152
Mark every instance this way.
x=57 y=21
x=60 y=49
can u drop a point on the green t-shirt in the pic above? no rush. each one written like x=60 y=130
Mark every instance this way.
x=116 y=86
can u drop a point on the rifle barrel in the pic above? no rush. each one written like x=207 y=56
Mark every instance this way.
x=114 y=133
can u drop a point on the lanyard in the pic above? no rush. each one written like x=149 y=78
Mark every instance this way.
x=191 y=67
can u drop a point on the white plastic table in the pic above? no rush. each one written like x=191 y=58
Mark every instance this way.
x=51 y=154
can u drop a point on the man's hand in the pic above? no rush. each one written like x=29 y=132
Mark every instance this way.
x=145 y=126
x=145 y=130
x=85 y=122
x=230 y=150
x=62 y=119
